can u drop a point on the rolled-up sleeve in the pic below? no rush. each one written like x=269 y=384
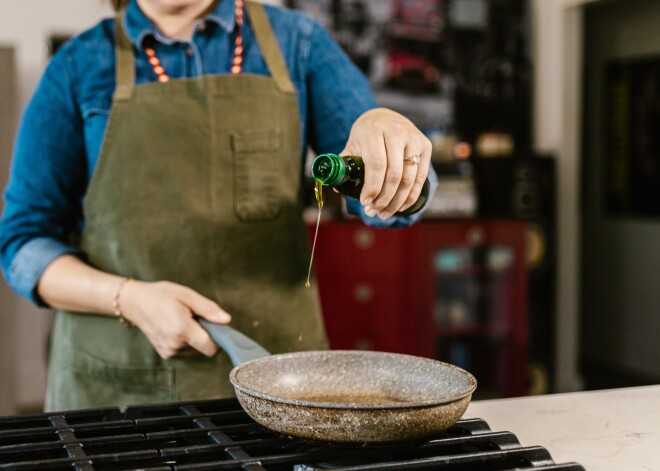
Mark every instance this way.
x=46 y=183
x=30 y=262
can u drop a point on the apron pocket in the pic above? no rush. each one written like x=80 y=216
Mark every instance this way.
x=256 y=156
x=102 y=383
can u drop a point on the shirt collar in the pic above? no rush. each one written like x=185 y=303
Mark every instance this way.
x=138 y=26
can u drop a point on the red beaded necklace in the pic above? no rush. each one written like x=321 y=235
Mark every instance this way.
x=236 y=63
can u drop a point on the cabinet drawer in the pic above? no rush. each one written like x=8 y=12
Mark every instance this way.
x=363 y=314
x=357 y=249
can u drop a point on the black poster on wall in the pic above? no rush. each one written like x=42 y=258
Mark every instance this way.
x=632 y=138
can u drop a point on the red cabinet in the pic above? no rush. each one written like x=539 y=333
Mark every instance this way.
x=452 y=290
x=473 y=300
x=362 y=274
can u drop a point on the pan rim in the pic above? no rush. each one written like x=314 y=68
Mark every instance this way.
x=437 y=401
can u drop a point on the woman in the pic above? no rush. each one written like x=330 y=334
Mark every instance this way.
x=168 y=143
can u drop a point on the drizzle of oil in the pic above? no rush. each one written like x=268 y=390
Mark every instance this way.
x=318 y=193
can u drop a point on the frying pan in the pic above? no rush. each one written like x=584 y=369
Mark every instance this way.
x=344 y=396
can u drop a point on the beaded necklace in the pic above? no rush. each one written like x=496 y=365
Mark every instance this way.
x=236 y=63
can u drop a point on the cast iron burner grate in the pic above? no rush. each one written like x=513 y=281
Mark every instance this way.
x=219 y=435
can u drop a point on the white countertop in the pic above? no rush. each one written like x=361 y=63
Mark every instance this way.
x=607 y=430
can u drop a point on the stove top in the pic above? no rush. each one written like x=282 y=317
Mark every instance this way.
x=219 y=435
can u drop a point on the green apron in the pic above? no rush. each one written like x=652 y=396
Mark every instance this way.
x=198 y=183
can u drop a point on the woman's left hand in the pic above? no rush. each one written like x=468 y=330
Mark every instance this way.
x=396 y=158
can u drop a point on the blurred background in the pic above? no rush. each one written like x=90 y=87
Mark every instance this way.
x=536 y=264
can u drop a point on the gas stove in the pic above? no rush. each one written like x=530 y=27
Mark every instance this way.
x=219 y=435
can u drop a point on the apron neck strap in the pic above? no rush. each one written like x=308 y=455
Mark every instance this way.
x=125 y=62
x=125 y=59
x=269 y=47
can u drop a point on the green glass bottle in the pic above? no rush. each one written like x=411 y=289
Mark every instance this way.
x=346 y=175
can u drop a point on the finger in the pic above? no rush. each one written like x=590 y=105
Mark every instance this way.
x=187 y=352
x=416 y=190
x=205 y=307
x=198 y=339
x=374 y=155
x=425 y=149
x=394 y=147
x=411 y=160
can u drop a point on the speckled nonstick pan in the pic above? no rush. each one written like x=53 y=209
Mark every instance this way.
x=344 y=396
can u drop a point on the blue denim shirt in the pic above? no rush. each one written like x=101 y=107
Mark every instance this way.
x=62 y=128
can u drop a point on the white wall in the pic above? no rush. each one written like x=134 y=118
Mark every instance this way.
x=557 y=27
x=27 y=25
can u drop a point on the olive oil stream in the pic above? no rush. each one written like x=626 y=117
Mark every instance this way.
x=318 y=193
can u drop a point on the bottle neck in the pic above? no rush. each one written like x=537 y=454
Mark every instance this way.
x=329 y=169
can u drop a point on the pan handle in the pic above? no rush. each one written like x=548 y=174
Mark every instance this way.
x=238 y=346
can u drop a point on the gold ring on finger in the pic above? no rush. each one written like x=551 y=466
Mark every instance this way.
x=414 y=159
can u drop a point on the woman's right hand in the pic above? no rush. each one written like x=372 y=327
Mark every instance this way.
x=163 y=311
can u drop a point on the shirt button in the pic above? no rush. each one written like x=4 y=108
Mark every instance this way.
x=201 y=27
x=189 y=51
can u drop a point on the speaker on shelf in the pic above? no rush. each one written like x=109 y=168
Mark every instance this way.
x=524 y=188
